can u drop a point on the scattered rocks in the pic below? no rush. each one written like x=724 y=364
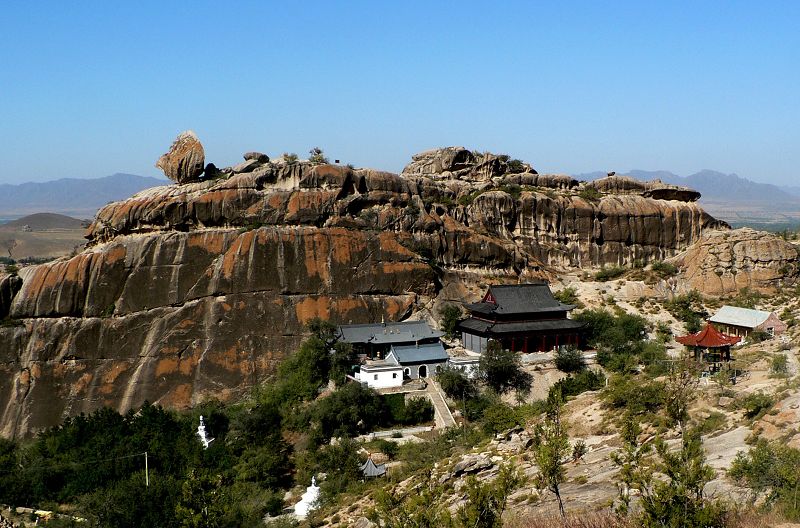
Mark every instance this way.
x=184 y=162
x=725 y=401
x=467 y=465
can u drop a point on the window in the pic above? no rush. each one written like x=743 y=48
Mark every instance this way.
x=376 y=377
x=394 y=375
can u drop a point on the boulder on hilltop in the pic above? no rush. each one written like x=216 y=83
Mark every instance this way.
x=184 y=161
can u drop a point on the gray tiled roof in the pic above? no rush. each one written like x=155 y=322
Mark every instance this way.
x=521 y=298
x=425 y=352
x=488 y=327
x=403 y=332
x=370 y=469
x=744 y=317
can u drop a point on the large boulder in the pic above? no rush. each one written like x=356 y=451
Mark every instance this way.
x=725 y=261
x=185 y=160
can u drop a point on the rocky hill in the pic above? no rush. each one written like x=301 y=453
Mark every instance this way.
x=196 y=290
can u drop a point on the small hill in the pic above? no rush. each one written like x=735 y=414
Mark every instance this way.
x=80 y=197
x=43 y=221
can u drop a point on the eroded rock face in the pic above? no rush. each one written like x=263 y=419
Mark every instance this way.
x=185 y=160
x=195 y=291
x=726 y=261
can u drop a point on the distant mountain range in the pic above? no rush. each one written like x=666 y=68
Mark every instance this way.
x=716 y=186
x=729 y=197
x=77 y=197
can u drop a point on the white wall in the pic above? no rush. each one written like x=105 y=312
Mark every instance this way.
x=381 y=379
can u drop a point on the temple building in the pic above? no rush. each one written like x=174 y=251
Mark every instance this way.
x=375 y=340
x=710 y=345
x=523 y=318
x=741 y=321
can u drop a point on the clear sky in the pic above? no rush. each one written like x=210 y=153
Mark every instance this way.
x=90 y=88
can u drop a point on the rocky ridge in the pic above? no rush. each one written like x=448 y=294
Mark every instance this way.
x=196 y=290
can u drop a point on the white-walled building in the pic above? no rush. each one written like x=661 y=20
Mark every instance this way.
x=380 y=375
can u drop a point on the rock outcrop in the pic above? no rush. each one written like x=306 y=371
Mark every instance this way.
x=725 y=261
x=184 y=162
x=192 y=291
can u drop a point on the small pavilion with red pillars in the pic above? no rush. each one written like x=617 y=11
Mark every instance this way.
x=709 y=344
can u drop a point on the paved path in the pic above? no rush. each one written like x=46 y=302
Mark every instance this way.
x=443 y=416
x=388 y=434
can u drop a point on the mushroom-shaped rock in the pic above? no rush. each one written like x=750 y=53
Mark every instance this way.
x=258 y=156
x=184 y=162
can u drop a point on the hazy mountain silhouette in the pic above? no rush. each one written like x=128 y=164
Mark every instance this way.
x=71 y=196
x=717 y=186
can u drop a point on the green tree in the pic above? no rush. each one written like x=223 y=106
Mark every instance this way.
x=569 y=359
x=201 y=502
x=501 y=370
x=316 y=155
x=450 y=315
x=630 y=459
x=677 y=501
x=550 y=451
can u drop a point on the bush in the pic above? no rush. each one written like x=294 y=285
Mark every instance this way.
x=290 y=157
x=779 y=365
x=688 y=308
x=756 y=405
x=499 y=417
x=773 y=469
x=664 y=269
x=619 y=339
x=501 y=370
x=407 y=412
x=757 y=336
x=568 y=296
x=590 y=194
x=631 y=393
x=572 y=385
x=569 y=359
x=609 y=273
x=316 y=155
x=515 y=166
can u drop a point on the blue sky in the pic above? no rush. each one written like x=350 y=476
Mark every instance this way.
x=91 y=88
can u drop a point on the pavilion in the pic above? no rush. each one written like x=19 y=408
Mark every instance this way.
x=709 y=344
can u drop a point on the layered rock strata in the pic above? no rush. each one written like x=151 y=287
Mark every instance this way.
x=724 y=261
x=192 y=291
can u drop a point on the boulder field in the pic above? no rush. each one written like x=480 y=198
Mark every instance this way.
x=196 y=290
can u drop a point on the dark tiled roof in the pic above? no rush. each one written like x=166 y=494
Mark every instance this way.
x=425 y=352
x=548 y=325
x=369 y=469
x=404 y=332
x=520 y=298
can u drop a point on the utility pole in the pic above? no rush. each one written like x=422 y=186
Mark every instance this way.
x=146 y=471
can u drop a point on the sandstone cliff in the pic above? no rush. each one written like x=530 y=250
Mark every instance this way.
x=192 y=291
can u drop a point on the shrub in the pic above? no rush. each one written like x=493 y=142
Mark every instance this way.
x=609 y=273
x=514 y=190
x=688 y=308
x=316 y=155
x=590 y=194
x=501 y=370
x=664 y=269
x=499 y=417
x=574 y=384
x=780 y=365
x=569 y=359
x=756 y=405
x=631 y=393
x=578 y=450
x=290 y=157
x=774 y=470
x=757 y=336
x=568 y=296
x=515 y=165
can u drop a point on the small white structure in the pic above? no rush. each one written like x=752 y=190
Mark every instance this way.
x=467 y=365
x=201 y=432
x=380 y=375
x=308 y=501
